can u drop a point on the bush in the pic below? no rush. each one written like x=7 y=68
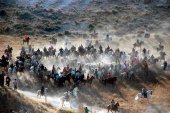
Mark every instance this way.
x=114 y=11
x=25 y=16
x=52 y=28
x=91 y=27
x=3 y=13
x=67 y=33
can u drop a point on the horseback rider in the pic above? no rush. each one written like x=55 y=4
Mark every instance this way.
x=112 y=103
x=144 y=50
x=53 y=70
x=42 y=90
x=109 y=76
x=80 y=68
x=144 y=93
x=145 y=64
x=86 y=110
x=96 y=73
x=165 y=65
x=66 y=95
x=88 y=77
x=160 y=45
x=61 y=50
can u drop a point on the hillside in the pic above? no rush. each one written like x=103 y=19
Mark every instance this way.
x=80 y=21
x=116 y=17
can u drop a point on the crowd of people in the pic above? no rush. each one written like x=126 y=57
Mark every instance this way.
x=124 y=63
x=5 y=78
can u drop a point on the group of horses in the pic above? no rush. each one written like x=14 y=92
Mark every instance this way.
x=31 y=61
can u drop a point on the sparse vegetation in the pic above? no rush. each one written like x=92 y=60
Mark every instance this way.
x=91 y=27
x=3 y=13
x=25 y=16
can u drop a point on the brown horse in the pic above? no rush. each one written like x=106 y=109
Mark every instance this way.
x=113 y=108
x=90 y=80
x=26 y=40
x=111 y=80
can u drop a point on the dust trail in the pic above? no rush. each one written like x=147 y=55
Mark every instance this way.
x=55 y=101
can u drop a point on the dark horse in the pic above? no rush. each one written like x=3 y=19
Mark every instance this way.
x=26 y=40
x=77 y=77
x=4 y=63
x=110 y=80
x=113 y=108
x=61 y=80
x=90 y=80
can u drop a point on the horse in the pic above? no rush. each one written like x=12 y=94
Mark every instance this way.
x=140 y=95
x=110 y=80
x=113 y=108
x=4 y=64
x=90 y=80
x=138 y=43
x=74 y=91
x=66 y=97
x=61 y=80
x=162 y=56
x=160 y=48
x=26 y=40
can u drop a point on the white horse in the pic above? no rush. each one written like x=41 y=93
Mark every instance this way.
x=140 y=95
x=45 y=94
x=66 y=97
x=75 y=92
x=10 y=71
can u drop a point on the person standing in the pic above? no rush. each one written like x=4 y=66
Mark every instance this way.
x=8 y=80
x=2 y=79
x=15 y=84
x=42 y=91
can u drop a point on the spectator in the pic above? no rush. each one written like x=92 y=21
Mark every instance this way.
x=15 y=84
x=8 y=80
x=2 y=79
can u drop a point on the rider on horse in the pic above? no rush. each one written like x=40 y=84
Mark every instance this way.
x=144 y=93
x=109 y=76
x=42 y=90
x=88 y=77
x=165 y=65
x=112 y=103
x=66 y=95
x=53 y=70
x=86 y=110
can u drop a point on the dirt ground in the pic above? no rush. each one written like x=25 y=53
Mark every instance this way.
x=125 y=21
x=125 y=91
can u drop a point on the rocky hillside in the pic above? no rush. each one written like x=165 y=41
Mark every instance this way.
x=119 y=17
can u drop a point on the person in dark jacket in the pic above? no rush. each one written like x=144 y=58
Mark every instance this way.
x=165 y=65
x=42 y=90
x=8 y=80
x=2 y=79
